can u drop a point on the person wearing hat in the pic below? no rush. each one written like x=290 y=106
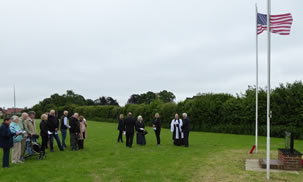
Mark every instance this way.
x=6 y=140
x=30 y=128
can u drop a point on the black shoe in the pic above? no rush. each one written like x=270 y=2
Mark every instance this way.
x=52 y=150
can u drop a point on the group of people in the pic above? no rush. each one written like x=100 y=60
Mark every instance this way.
x=179 y=128
x=20 y=133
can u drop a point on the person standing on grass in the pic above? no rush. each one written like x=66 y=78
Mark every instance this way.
x=157 y=127
x=31 y=118
x=30 y=128
x=6 y=140
x=24 y=117
x=120 y=128
x=140 y=131
x=74 y=131
x=175 y=128
x=52 y=126
x=82 y=135
x=16 y=152
x=43 y=132
x=63 y=127
x=185 y=128
x=129 y=126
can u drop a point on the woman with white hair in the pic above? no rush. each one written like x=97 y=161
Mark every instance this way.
x=15 y=128
x=141 y=132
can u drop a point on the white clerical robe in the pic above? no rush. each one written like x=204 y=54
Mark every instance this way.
x=175 y=122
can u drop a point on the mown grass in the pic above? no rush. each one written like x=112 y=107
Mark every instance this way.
x=210 y=157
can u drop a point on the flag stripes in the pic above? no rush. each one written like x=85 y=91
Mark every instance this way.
x=280 y=24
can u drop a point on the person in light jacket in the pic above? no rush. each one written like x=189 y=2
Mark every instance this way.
x=30 y=128
x=83 y=132
x=16 y=152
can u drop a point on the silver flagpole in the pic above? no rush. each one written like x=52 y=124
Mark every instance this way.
x=268 y=91
x=256 y=143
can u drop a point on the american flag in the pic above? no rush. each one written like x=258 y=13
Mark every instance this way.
x=280 y=24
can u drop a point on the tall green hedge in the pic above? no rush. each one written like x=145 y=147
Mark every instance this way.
x=216 y=112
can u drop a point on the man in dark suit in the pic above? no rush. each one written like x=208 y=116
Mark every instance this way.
x=185 y=129
x=129 y=125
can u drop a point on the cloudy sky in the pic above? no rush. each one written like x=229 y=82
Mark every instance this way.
x=121 y=47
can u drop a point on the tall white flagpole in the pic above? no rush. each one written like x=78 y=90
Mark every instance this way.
x=268 y=91
x=256 y=143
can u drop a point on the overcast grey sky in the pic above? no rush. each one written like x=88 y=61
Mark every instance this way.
x=121 y=47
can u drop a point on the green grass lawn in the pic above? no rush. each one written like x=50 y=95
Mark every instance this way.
x=210 y=157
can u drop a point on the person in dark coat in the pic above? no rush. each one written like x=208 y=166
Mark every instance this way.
x=74 y=131
x=157 y=127
x=129 y=125
x=53 y=126
x=185 y=129
x=140 y=131
x=120 y=128
x=43 y=132
x=6 y=140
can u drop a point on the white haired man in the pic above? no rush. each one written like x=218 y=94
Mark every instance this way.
x=185 y=128
x=63 y=127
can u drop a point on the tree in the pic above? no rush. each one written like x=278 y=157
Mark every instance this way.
x=90 y=102
x=133 y=99
x=166 y=96
x=106 y=101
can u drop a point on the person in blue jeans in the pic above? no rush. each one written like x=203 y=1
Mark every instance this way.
x=63 y=127
x=6 y=140
x=52 y=126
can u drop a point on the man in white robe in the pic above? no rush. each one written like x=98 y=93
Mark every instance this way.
x=175 y=128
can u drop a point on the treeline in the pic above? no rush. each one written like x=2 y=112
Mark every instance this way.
x=211 y=112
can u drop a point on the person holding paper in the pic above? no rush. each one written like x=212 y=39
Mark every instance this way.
x=157 y=127
x=16 y=152
x=120 y=128
x=63 y=127
x=175 y=128
x=140 y=131
x=129 y=126
x=52 y=126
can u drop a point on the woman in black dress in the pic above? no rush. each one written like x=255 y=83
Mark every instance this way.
x=140 y=131
x=120 y=128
